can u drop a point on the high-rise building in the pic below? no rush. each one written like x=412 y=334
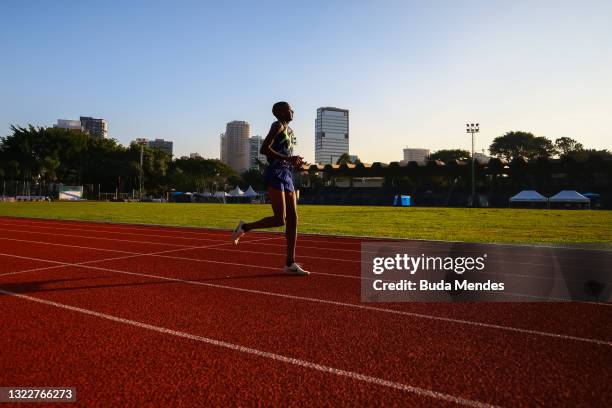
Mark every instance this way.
x=161 y=144
x=96 y=128
x=415 y=155
x=68 y=124
x=331 y=134
x=223 y=148
x=237 y=145
x=254 y=155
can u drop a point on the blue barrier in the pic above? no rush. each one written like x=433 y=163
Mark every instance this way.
x=404 y=200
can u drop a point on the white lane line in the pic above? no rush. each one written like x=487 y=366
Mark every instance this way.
x=65 y=245
x=341 y=304
x=43 y=268
x=60 y=264
x=178 y=257
x=117 y=226
x=218 y=235
x=264 y=354
x=305 y=237
x=98 y=238
x=314 y=235
x=186 y=247
x=277 y=254
x=335 y=275
x=316 y=247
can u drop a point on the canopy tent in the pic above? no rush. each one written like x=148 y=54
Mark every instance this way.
x=569 y=196
x=220 y=194
x=250 y=192
x=592 y=196
x=528 y=196
x=204 y=194
x=237 y=192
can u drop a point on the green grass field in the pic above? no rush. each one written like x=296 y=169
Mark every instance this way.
x=573 y=228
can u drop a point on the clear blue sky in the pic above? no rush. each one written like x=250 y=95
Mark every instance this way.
x=412 y=73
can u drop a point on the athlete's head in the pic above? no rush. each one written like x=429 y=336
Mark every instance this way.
x=282 y=111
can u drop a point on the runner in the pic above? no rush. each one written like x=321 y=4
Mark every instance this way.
x=278 y=179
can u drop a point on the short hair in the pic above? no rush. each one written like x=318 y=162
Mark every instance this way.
x=277 y=106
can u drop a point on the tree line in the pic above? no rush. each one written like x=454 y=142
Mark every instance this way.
x=516 y=145
x=52 y=155
x=526 y=146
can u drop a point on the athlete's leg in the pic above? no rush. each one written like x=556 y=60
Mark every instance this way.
x=277 y=199
x=291 y=225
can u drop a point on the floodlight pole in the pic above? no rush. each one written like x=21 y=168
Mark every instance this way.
x=141 y=169
x=473 y=128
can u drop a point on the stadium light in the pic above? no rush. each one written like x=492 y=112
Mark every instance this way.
x=473 y=128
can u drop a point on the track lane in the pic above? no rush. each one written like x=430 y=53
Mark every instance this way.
x=566 y=318
x=492 y=366
x=141 y=366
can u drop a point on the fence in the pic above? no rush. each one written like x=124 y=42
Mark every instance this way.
x=21 y=188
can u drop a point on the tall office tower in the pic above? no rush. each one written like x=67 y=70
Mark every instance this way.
x=96 y=128
x=254 y=155
x=415 y=155
x=223 y=148
x=237 y=145
x=161 y=144
x=68 y=124
x=331 y=134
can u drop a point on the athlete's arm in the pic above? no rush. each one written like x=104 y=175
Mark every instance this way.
x=266 y=146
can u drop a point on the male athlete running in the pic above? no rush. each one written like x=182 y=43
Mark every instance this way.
x=278 y=178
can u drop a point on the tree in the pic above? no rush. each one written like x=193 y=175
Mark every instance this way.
x=344 y=159
x=518 y=144
x=253 y=177
x=589 y=154
x=199 y=174
x=567 y=145
x=450 y=155
x=541 y=148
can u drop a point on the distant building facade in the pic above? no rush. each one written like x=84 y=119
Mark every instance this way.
x=331 y=134
x=163 y=145
x=416 y=155
x=223 y=148
x=235 y=146
x=95 y=128
x=254 y=155
x=68 y=124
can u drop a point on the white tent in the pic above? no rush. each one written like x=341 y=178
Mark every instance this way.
x=237 y=192
x=206 y=194
x=221 y=194
x=528 y=196
x=250 y=192
x=569 y=196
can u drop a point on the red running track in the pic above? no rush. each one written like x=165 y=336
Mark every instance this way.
x=147 y=315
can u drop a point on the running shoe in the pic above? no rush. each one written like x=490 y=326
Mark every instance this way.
x=238 y=232
x=296 y=269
